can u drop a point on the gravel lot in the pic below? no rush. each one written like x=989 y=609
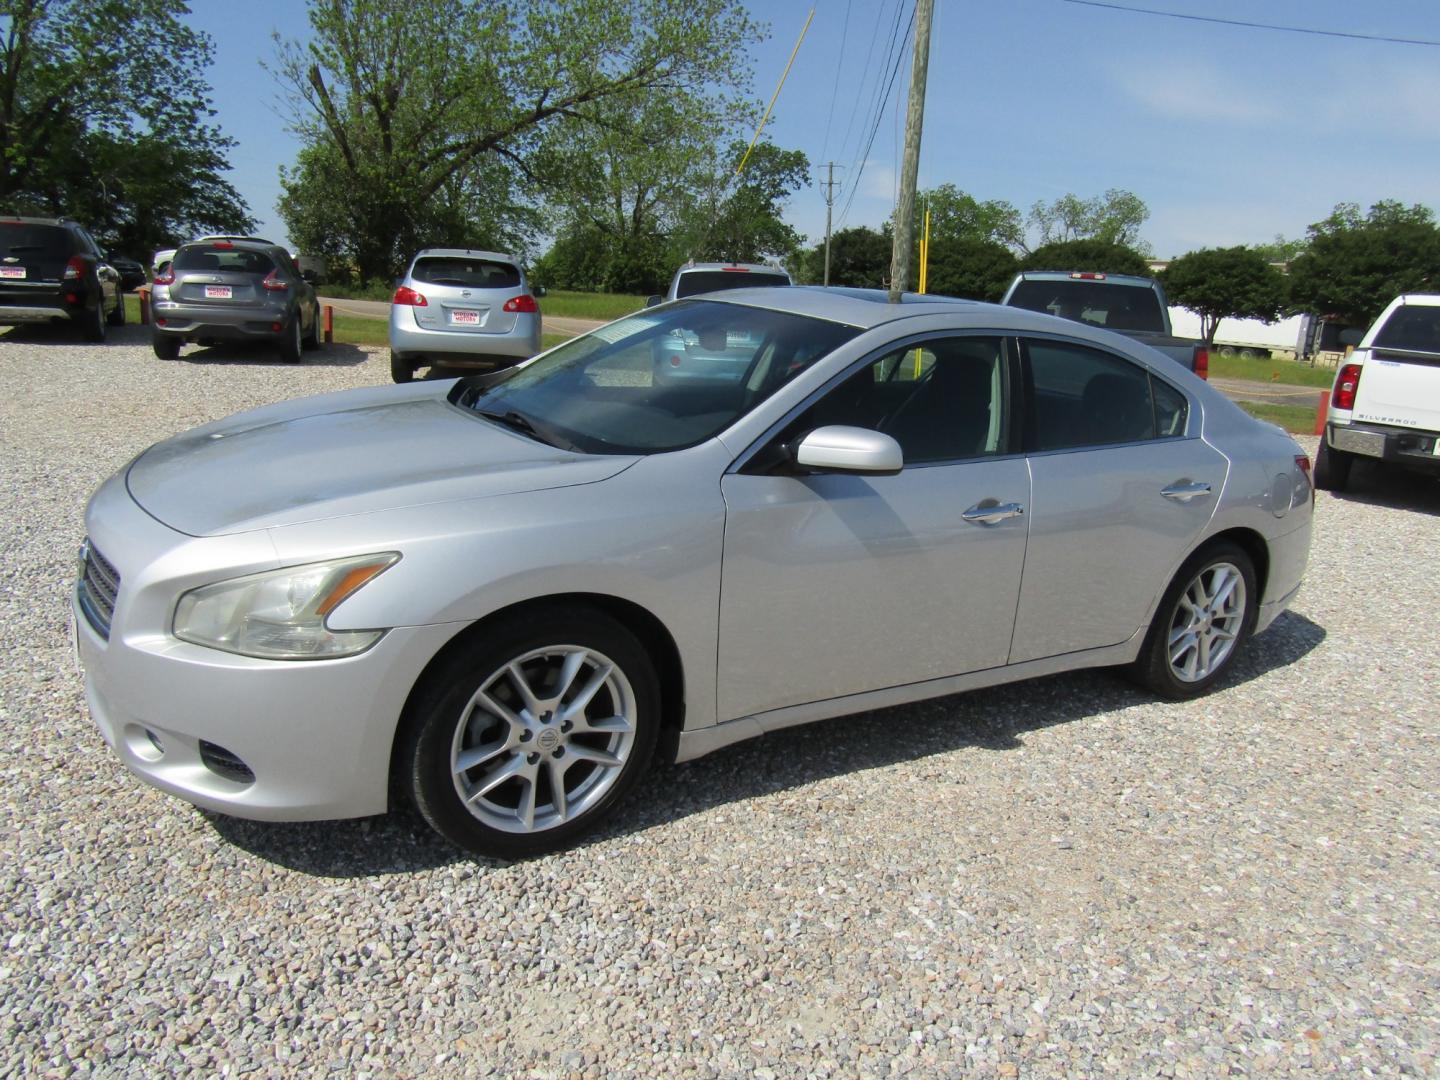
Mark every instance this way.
x=1063 y=878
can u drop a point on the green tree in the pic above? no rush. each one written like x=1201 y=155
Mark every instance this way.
x=859 y=258
x=105 y=117
x=739 y=219
x=414 y=101
x=1225 y=283
x=1113 y=218
x=1098 y=256
x=1279 y=250
x=1357 y=263
x=973 y=269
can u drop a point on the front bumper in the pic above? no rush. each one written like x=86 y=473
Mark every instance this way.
x=1412 y=448
x=316 y=736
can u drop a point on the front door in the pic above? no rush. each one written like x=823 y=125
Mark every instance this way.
x=838 y=584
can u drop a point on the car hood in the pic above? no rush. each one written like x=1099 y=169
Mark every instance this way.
x=354 y=452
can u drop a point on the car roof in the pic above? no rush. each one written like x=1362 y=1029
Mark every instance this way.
x=494 y=256
x=15 y=219
x=756 y=268
x=234 y=242
x=867 y=308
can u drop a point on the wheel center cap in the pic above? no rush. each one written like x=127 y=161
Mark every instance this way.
x=548 y=739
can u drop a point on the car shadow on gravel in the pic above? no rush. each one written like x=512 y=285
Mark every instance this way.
x=248 y=353
x=993 y=719
x=1393 y=489
x=66 y=336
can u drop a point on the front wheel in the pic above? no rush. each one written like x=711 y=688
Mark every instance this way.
x=117 y=317
x=312 y=339
x=524 y=744
x=1204 y=616
x=290 y=343
x=1332 y=467
x=92 y=323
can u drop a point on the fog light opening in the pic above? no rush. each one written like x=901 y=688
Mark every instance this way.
x=155 y=741
x=145 y=743
x=225 y=764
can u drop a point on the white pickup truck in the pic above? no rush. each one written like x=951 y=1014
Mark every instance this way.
x=1385 y=402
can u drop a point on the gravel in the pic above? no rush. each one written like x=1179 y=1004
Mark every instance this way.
x=1061 y=878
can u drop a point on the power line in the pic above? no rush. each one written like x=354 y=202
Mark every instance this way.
x=834 y=93
x=864 y=156
x=866 y=69
x=1252 y=25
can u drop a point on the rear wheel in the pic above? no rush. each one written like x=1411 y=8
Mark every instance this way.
x=166 y=347
x=1332 y=467
x=290 y=344
x=312 y=339
x=402 y=369
x=527 y=743
x=92 y=323
x=1205 y=615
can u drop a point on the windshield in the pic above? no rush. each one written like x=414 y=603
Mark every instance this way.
x=693 y=282
x=1412 y=328
x=658 y=380
x=1108 y=304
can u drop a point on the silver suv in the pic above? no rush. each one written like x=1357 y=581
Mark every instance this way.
x=460 y=308
x=722 y=356
x=694 y=278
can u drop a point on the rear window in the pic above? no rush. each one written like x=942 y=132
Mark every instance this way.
x=224 y=260
x=1113 y=306
x=43 y=241
x=703 y=281
x=470 y=273
x=1412 y=327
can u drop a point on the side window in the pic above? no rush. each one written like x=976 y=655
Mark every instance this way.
x=1171 y=409
x=1085 y=397
x=942 y=400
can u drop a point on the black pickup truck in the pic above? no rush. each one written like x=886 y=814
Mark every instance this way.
x=1133 y=306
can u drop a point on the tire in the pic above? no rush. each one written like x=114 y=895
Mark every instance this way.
x=1226 y=350
x=1222 y=572
x=117 y=317
x=290 y=343
x=312 y=339
x=535 y=783
x=166 y=347
x=1332 y=467
x=92 y=323
x=402 y=369
x=1248 y=354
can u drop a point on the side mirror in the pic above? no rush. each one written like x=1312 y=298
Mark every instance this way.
x=654 y=300
x=839 y=448
x=538 y=291
x=1351 y=336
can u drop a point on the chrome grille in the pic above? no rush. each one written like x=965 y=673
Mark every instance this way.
x=98 y=587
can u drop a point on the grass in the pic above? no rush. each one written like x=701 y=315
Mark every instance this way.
x=1296 y=419
x=583 y=305
x=1288 y=372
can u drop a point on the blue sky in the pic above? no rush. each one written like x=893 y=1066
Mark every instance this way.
x=1229 y=134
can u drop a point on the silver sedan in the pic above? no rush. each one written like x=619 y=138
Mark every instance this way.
x=504 y=596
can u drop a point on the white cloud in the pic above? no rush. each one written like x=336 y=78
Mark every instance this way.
x=1197 y=91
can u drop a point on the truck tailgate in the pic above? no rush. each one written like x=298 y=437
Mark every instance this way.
x=1402 y=389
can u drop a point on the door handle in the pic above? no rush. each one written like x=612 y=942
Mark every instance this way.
x=992 y=513
x=1184 y=492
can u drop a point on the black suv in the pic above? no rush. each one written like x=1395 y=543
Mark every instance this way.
x=52 y=271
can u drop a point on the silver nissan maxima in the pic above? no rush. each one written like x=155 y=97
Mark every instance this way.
x=503 y=596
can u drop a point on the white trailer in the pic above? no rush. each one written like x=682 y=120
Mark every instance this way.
x=1246 y=337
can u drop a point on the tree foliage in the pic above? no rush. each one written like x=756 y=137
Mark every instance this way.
x=859 y=258
x=1113 y=218
x=1355 y=264
x=1225 y=283
x=973 y=269
x=436 y=114
x=105 y=117
x=956 y=215
x=1098 y=256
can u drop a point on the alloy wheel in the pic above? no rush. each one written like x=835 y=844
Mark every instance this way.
x=543 y=739
x=1207 y=621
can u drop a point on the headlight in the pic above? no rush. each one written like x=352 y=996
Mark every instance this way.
x=280 y=614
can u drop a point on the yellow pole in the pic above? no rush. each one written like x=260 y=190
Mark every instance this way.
x=925 y=254
x=775 y=95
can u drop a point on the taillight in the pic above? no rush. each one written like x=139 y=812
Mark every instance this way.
x=1086 y=276
x=524 y=304
x=1346 y=384
x=1202 y=362
x=409 y=297
x=273 y=283
x=165 y=277
x=74 y=269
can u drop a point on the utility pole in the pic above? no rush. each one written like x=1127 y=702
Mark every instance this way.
x=829 y=206
x=910 y=165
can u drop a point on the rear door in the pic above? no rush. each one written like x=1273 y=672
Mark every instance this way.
x=465 y=294
x=1400 y=382
x=1122 y=487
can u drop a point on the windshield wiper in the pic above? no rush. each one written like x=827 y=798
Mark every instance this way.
x=518 y=421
